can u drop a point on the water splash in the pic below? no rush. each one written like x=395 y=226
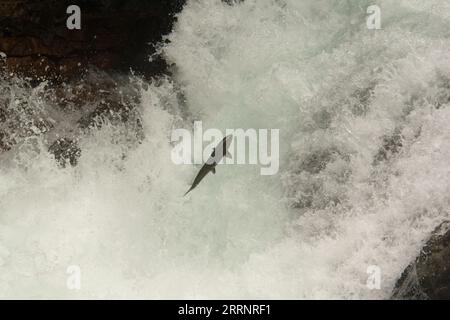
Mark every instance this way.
x=363 y=118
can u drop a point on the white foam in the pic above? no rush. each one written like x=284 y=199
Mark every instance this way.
x=300 y=66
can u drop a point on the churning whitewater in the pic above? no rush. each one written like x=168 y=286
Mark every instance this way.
x=364 y=161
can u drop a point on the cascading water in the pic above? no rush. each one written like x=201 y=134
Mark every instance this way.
x=364 y=170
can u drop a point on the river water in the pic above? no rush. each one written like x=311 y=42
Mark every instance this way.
x=364 y=162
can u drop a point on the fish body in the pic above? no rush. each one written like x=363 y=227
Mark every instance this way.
x=218 y=153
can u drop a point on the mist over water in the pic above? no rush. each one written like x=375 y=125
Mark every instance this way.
x=364 y=161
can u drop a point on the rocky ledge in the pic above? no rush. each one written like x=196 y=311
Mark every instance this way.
x=428 y=277
x=84 y=70
x=114 y=35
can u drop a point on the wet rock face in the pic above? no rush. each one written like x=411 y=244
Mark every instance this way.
x=58 y=116
x=428 y=277
x=65 y=151
x=114 y=34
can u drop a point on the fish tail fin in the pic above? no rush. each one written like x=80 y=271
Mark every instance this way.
x=190 y=189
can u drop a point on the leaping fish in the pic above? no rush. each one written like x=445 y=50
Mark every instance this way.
x=218 y=153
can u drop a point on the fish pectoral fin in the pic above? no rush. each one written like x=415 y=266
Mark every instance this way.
x=213 y=170
x=228 y=155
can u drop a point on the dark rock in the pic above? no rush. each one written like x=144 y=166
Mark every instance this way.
x=87 y=68
x=65 y=151
x=105 y=99
x=115 y=112
x=428 y=277
x=114 y=35
x=4 y=143
x=391 y=146
x=71 y=108
x=359 y=101
x=318 y=160
x=232 y=2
